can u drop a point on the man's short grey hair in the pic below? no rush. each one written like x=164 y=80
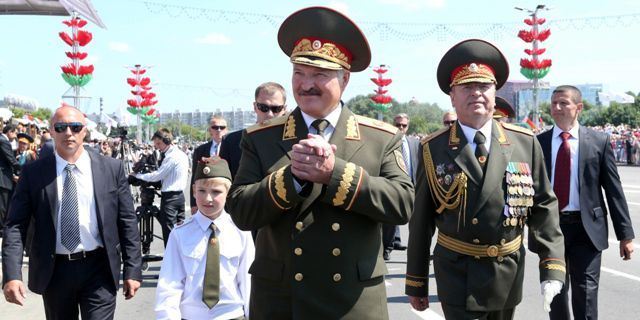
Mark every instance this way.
x=401 y=116
x=270 y=88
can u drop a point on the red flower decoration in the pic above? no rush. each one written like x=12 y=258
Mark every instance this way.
x=66 y=38
x=380 y=91
x=141 y=71
x=538 y=20
x=82 y=70
x=381 y=99
x=535 y=64
x=132 y=82
x=381 y=82
x=75 y=23
x=83 y=37
x=536 y=52
x=77 y=55
x=133 y=103
x=380 y=70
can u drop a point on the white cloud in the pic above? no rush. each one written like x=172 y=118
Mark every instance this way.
x=118 y=46
x=339 y=6
x=214 y=38
x=90 y=59
x=415 y=4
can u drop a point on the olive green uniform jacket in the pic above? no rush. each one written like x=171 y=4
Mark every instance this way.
x=319 y=256
x=482 y=217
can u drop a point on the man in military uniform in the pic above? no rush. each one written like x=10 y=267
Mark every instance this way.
x=503 y=110
x=480 y=182
x=318 y=183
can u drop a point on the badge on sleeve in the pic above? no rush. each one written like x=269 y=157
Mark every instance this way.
x=400 y=161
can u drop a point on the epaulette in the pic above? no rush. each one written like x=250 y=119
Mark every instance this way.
x=278 y=121
x=183 y=223
x=433 y=135
x=515 y=128
x=376 y=124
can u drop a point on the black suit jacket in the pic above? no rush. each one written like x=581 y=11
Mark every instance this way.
x=8 y=164
x=47 y=149
x=596 y=169
x=230 y=150
x=203 y=150
x=36 y=198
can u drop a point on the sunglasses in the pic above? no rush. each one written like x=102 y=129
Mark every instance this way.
x=265 y=108
x=218 y=127
x=449 y=123
x=61 y=127
x=401 y=125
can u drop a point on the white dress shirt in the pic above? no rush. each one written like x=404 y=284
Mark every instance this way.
x=332 y=117
x=87 y=216
x=179 y=290
x=470 y=133
x=173 y=172
x=215 y=148
x=574 y=183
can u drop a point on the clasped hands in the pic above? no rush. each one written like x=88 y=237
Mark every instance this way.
x=313 y=159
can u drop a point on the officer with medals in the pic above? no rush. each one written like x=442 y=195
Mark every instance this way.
x=480 y=182
x=318 y=183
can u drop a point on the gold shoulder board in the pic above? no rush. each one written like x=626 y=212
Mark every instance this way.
x=433 y=135
x=376 y=124
x=268 y=124
x=515 y=128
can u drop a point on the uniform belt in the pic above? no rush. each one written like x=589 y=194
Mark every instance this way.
x=569 y=213
x=479 y=250
x=79 y=255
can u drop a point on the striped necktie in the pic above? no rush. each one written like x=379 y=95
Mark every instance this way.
x=69 y=221
x=405 y=155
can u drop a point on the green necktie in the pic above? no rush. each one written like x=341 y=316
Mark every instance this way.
x=211 y=284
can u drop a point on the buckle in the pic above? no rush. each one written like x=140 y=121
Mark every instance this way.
x=77 y=255
x=492 y=251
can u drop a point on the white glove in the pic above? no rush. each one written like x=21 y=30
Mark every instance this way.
x=550 y=288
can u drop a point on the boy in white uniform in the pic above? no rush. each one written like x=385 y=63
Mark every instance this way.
x=192 y=252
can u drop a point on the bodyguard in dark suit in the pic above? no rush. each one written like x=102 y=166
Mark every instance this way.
x=270 y=102
x=480 y=182
x=580 y=163
x=318 y=183
x=391 y=233
x=217 y=130
x=85 y=227
x=10 y=169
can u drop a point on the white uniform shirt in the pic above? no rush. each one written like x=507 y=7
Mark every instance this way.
x=174 y=171
x=87 y=216
x=470 y=134
x=179 y=291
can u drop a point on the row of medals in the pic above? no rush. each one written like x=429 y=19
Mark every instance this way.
x=519 y=195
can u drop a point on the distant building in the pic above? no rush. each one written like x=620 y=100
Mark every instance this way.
x=520 y=95
x=236 y=120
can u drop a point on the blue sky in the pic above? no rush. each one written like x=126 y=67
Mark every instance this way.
x=211 y=55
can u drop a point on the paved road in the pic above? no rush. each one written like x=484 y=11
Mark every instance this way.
x=619 y=284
